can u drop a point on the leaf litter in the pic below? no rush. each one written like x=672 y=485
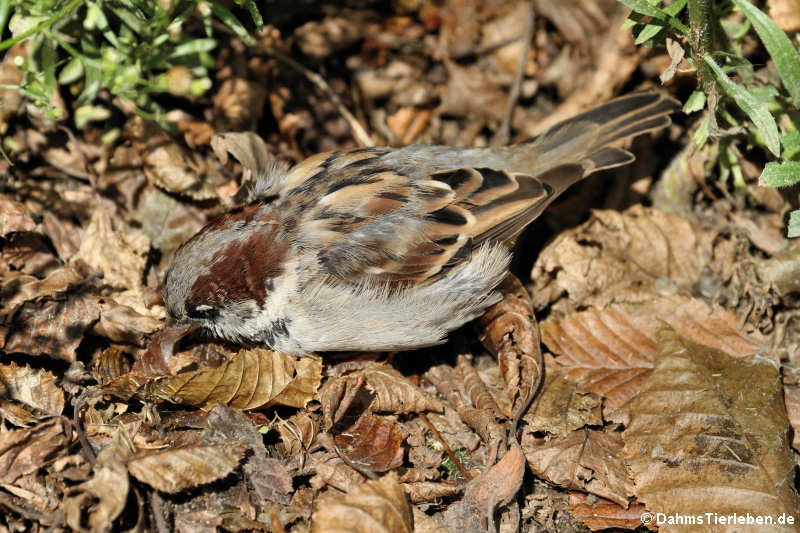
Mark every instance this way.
x=663 y=382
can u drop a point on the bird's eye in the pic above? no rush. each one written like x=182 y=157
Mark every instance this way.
x=204 y=312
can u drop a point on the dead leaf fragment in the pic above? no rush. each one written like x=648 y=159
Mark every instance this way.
x=14 y=217
x=176 y=469
x=611 y=351
x=23 y=451
x=373 y=507
x=54 y=328
x=597 y=513
x=249 y=380
x=709 y=433
x=394 y=393
x=372 y=442
x=610 y=256
x=562 y=407
x=33 y=387
x=586 y=460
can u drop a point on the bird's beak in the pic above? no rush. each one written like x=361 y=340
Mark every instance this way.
x=155 y=361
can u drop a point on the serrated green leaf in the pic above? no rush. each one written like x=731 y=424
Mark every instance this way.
x=780 y=48
x=695 y=102
x=794 y=224
x=781 y=174
x=761 y=118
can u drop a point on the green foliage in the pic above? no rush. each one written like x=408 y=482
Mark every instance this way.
x=132 y=49
x=712 y=44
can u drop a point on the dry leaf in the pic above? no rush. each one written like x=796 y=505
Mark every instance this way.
x=394 y=393
x=21 y=289
x=54 y=328
x=469 y=91
x=562 y=407
x=598 y=514
x=297 y=434
x=509 y=330
x=176 y=469
x=14 y=217
x=611 y=352
x=249 y=380
x=372 y=507
x=23 y=451
x=36 y=388
x=609 y=257
x=786 y=14
x=709 y=433
x=373 y=443
x=585 y=460
x=121 y=323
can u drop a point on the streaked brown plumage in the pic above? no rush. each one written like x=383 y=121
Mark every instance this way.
x=383 y=248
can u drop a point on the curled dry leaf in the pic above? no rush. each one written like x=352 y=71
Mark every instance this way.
x=597 y=513
x=319 y=39
x=394 y=393
x=607 y=258
x=176 y=469
x=611 y=352
x=103 y=497
x=372 y=507
x=562 y=407
x=33 y=387
x=584 y=460
x=239 y=104
x=731 y=453
x=170 y=166
x=53 y=328
x=297 y=434
x=431 y=491
x=252 y=152
x=372 y=442
x=335 y=474
x=20 y=289
x=121 y=323
x=24 y=451
x=249 y=380
x=470 y=91
x=14 y=217
x=509 y=330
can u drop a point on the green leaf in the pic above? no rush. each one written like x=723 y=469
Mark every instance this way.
x=644 y=8
x=230 y=20
x=780 y=48
x=758 y=113
x=49 y=65
x=791 y=144
x=696 y=101
x=794 y=224
x=254 y=13
x=651 y=29
x=193 y=47
x=781 y=174
x=71 y=72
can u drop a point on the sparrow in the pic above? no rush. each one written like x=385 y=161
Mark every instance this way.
x=381 y=248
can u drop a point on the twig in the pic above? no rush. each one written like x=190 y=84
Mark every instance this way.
x=464 y=473
x=503 y=133
x=359 y=133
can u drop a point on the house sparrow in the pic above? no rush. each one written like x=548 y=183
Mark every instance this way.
x=385 y=248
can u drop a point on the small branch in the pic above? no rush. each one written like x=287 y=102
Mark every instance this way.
x=504 y=132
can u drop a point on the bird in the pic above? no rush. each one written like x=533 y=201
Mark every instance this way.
x=386 y=249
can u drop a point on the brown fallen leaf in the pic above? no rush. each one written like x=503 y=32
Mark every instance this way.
x=509 y=330
x=249 y=380
x=297 y=433
x=492 y=489
x=611 y=352
x=176 y=469
x=33 y=387
x=597 y=513
x=121 y=323
x=709 y=434
x=372 y=507
x=395 y=393
x=617 y=257
x=786 y=14
x=371 y=442
x=562 y=407
x=585 y=460
x=14 y=217
x=24 y=451
x=20 y=289
x=104 y=496
x=54 y=328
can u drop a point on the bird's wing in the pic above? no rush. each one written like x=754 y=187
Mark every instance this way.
x=409 y=215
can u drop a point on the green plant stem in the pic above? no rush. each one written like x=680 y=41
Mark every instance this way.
x=8 y=43
x=700 y=25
